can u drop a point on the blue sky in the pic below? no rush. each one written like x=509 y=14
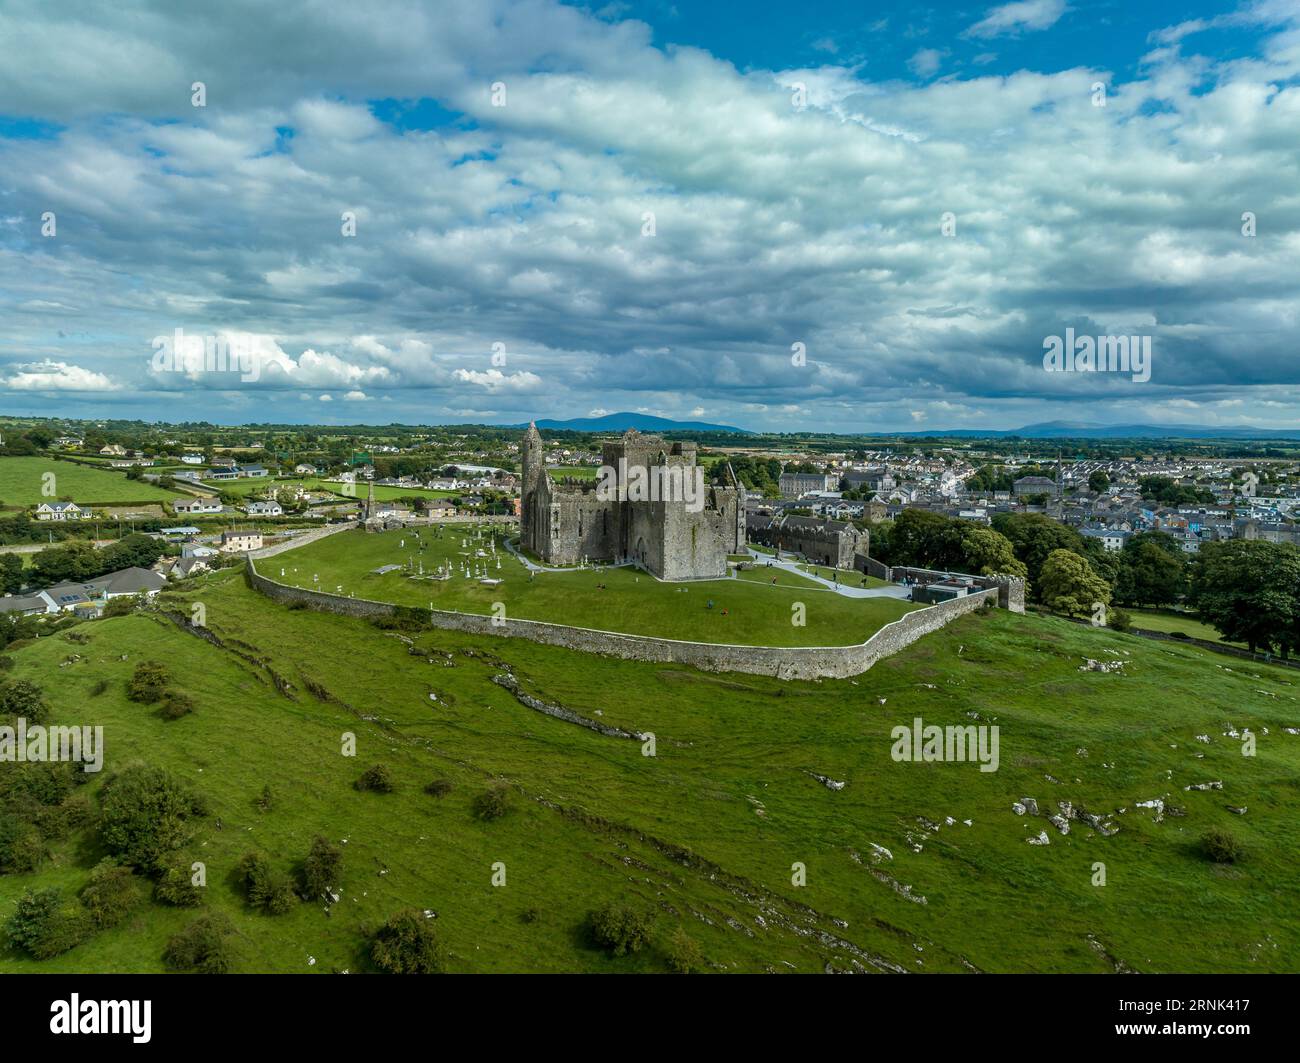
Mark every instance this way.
x=850 y=216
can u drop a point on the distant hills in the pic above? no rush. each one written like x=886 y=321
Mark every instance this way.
x=1082 y=430
x=642 y=422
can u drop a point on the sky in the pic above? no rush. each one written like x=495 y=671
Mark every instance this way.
x=816 y=216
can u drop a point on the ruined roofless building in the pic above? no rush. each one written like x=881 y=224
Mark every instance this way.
x=685 y=536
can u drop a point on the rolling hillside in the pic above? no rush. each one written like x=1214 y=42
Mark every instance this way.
x=705 y=833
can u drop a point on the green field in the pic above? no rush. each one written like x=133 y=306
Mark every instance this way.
x=573 y=472
x=22 y=480
x=382 y=494
x=1187 y=623
x=849 y=578
x=630 y=601
x=783 y=578
x=704 y=833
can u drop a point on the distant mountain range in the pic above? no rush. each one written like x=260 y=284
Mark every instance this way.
x=1081 y=430
x=642 y=422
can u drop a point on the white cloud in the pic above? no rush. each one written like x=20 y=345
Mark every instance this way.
x=925 y=62
x=50 y=375
x=495 y=380
x=1016 y=17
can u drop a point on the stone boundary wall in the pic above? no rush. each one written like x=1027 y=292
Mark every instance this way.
x=784 y=662
x=1011 y=589
x=465 y=518
x=301 y=540
x=872 y=567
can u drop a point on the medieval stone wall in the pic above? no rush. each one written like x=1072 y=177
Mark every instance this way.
x=302 y=540
x=784 y=662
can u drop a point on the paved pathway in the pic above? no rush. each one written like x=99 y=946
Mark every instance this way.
x=894 y=590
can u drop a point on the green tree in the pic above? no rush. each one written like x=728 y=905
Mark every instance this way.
x=620 y=928
x=148 y=682
x=323 y=868
x=990 y=553
x=267 y=888
x=43 y=926
x=1033 y=537
x=12 y=579
x=1152 y=570
x=23 y=698
x=927 y=540
x=408 y=944
x=1069 y=585
x=202 y=947
x=1099 y=481
x=146 y=815
x=111 y=894
x=1247 y=590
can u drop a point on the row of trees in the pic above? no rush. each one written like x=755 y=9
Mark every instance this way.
x=80 y=560
x=1248 y=590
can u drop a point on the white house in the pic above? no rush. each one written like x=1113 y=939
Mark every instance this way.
x=62 y=511
x=197 y=505
x=192 y=459
x=1112 y=539
x=264 y=509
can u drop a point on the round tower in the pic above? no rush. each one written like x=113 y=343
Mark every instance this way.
x=532 y=458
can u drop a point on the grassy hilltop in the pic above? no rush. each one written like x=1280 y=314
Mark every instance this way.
x=704 y=833
x=618 y=599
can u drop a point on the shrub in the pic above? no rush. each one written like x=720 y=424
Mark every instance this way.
x=100 y=686
x=202 y=947
x=267 y=889
x=322 y=869
x=148 y=683
x=21 y=847
x=492 y=803
x=175 y=705
x=620 y=928
x=30 y=785
x=145 y=815
x=265 y=800
x=1120 y=620
x=439 y=788
x=42 y=926
x=376 y=778
x=408 y=944
x=683 y=953
x=6 y=663
x=175 y=886
x=110 y=894
x=529 y=915
x=1221 y=846
x=122 y=605
x=22 y=697
x=58 y=822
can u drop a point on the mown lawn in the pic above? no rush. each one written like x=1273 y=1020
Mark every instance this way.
x=617 y=599
x=704 y=833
